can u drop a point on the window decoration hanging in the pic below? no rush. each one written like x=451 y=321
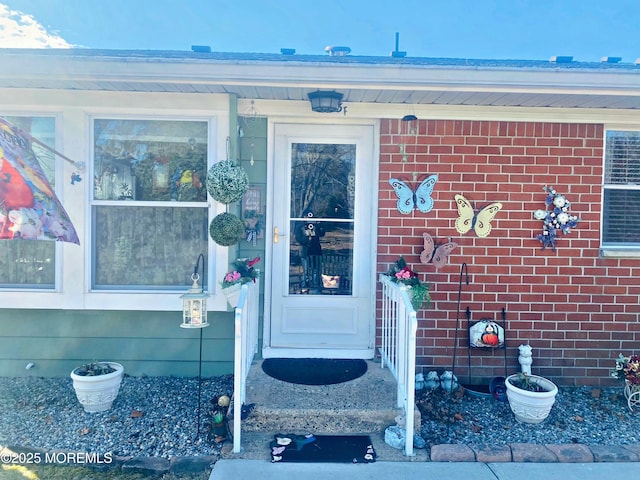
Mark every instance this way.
x=227 y=181
x=226 y=229
x=556 y=217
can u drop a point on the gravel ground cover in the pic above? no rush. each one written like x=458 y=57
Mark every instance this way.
x=44 y=413
x=152 y=416
x=591 y=416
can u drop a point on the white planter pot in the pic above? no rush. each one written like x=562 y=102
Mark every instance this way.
x=531 y=407
x=97 y=393
x=233 y=294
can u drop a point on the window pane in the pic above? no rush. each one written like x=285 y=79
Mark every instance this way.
x=31 y=263
x=321 y=258
x=150 y=160
x=621 y=218
x=622 y=158
x=322 y=180
x=151 y=247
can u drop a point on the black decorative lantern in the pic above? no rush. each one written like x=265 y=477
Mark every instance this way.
x=326 y=101
x=194 y=302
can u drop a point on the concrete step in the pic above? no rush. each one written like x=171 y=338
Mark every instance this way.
x=366 y=404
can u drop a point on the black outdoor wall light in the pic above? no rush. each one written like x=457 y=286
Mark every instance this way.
x=326 y=101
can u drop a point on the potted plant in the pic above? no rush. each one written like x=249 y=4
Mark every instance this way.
x=401 y=274
x=628 y=371
x=219 y=424
x=219 y=427
x=243 y=272
x=530 y=397
x=97 y=384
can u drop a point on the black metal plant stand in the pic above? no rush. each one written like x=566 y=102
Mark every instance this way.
x=194 y=315
x=199 y=384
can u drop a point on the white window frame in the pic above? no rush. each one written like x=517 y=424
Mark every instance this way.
x=615 y=250
x=154 y=299
x=72 y=110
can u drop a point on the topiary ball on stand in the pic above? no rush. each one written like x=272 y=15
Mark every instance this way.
x=226 y=229
x=227 y=182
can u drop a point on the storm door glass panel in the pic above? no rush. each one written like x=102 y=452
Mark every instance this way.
x=30 y=263
x=322 y=219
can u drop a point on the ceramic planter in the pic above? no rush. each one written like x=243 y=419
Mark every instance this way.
x=528 y=406
x=97 y=393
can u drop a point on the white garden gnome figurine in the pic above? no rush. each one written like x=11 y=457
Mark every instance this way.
x=448 y=381
x=433 y=381
x=525 y=358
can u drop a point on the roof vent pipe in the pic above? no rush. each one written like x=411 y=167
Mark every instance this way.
x=396 y=52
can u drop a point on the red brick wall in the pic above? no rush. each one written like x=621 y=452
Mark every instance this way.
x=577 y=310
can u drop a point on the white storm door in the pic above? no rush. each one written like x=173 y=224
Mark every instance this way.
x=322 y=278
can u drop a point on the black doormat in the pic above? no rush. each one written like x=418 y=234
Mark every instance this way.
x=322 y=448
x=314 y=371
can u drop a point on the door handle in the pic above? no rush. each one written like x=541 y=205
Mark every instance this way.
x=277 y=234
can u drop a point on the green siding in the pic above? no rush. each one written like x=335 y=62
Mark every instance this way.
x=146 y=343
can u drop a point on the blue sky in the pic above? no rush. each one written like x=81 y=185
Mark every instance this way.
x=500 y=29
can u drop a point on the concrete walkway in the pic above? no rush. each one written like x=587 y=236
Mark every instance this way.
x=264 y=470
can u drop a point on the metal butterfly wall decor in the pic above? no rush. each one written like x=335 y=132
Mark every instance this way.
x=420 y=199
x=478 y=220
x=436 y=254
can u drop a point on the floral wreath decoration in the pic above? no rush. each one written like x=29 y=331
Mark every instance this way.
x=556 y=217
x=253 y=226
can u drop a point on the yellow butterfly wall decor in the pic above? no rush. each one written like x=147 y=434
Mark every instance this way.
x=478 y=220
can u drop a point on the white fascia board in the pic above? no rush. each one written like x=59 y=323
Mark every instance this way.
x=355 y=111
x=322 y=75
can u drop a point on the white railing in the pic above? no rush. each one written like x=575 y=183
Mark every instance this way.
x=398 y=349
x=245 y=348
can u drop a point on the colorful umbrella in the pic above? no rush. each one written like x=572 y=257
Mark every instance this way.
x=29 y=208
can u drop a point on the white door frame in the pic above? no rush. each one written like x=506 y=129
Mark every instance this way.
x=268 y=350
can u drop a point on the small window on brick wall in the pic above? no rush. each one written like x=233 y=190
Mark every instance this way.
x=621 y=207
